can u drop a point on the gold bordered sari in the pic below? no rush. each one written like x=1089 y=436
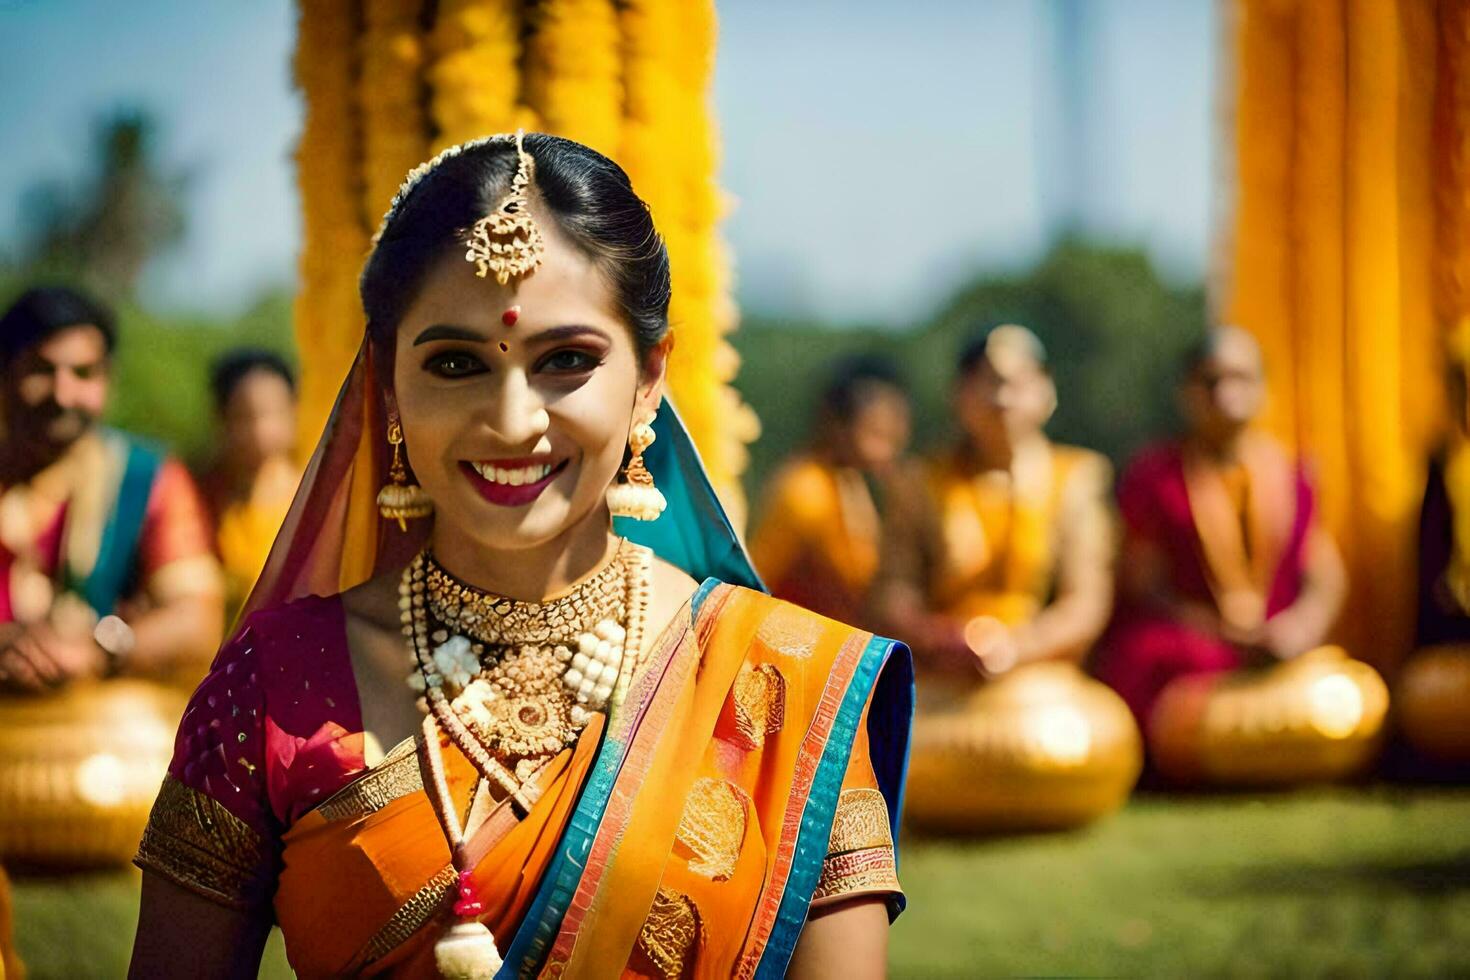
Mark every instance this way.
x=755 y=768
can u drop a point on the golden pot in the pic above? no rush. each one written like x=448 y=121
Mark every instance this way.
x=1432 y=700
x=1041 y=748
x=1316 y=718
x=10 y=965
x=79 y=770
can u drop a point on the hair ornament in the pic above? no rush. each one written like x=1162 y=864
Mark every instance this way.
x=506 y=241
x=417 y=174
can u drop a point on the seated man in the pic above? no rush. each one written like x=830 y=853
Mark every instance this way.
x=253 y=477
x=997 y=569
x=998 y=552
x=1225 y=565
x=1224 y=562
x=817 y=541
x=105 y=560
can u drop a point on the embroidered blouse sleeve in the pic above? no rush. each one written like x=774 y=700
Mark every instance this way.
x=212 y=830
x=860 y=857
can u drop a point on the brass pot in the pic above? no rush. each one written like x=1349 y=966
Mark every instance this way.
x=1432 y=700
x=1042 y=748
x=1316 y=718
x=79 y=770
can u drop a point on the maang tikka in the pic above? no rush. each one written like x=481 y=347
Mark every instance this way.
x=506 y=241
x=636 y=496
x=400 y=500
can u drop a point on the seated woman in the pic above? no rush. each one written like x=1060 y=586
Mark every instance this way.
x=1225 y=566
x=254 y=474
x=611 y=754
x=998 y=564
x=1434 y=684
x=818 y=537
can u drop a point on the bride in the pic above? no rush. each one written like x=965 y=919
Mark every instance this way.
x=609 y=753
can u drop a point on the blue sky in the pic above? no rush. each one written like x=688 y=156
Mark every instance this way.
x=877 y=152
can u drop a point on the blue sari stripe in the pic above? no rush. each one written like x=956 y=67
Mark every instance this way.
x=817 y=816
x=118 y=548
x=889 y=717
x=533 y=940
x=700 y=594
x=538 y=930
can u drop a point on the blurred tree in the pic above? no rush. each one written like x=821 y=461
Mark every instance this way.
x=1114 y=333
x=1114 y=330
x=106 y=228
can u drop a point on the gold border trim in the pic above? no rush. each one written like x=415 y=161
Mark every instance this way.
x=411 y=916
x=193 y=841
x=395 y=776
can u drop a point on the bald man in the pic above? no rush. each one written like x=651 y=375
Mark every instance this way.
x=998 y=553
x=1224 y=561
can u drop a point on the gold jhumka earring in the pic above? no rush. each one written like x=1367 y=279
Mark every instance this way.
x=506 y=241
x=400 y=500
x=636 y=496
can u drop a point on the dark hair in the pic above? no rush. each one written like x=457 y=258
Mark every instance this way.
x=232 y=367
x=855 y=381
x=589 y=197
x=46 y=310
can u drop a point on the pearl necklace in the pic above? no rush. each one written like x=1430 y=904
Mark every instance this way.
x=513 y=682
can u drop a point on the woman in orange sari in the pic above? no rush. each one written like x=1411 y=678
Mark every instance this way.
x=253 y=477
x=820 y=532
x=610 y=753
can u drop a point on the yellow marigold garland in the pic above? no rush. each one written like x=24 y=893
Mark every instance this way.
x=668 y=147
x=573 y=71
x=334 y=237
x=394 y=128
x=475 y=78
x=1452 y=144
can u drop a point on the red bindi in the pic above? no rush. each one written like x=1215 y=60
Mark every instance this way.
x=510 y=316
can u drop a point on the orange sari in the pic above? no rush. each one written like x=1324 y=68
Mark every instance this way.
x=817 y=543
x=986 y=542
x=755 y=768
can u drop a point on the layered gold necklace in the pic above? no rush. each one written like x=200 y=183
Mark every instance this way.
x=511 y=682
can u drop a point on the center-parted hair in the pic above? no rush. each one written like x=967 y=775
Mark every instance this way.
x=856 y=381
x=236 y=365
x=588 y=197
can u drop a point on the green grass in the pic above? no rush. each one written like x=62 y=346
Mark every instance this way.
x=1345 y=883
x=1342 y=883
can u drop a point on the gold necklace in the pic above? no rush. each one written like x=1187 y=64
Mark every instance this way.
x=513 y=682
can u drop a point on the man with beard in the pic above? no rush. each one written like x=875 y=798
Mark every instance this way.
x=106 y=566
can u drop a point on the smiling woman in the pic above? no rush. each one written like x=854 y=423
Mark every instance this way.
x=613 y=753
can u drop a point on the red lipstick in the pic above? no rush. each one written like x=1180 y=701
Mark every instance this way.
x=505 y=495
